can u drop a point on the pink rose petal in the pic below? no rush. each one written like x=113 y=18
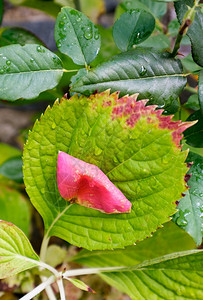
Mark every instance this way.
x=88 y=186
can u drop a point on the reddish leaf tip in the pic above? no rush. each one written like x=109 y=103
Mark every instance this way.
x=88 y=186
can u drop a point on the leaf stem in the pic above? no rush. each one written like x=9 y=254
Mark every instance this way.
x=191 y=89
x=39 y=288
x=187 y=21
x=61 y=289
x=77 y=4
x=70 y=71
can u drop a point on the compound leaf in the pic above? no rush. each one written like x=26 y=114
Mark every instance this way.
x=133 y=145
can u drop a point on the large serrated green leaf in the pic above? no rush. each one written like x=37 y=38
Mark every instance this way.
x=26 y=71
x=14 y=208
x=190 y=214
x=195 y=30
x=15 y=251
x=145 y=71
x=168 y=239
x=139 y=161
x=174 y=276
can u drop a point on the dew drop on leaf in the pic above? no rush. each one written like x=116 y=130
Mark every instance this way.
x=88 y=35
x=8 y=62
x=97 y=151
x=143 y=71
x=53 y=126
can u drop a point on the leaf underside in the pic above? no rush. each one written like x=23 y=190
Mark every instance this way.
x=137 y=151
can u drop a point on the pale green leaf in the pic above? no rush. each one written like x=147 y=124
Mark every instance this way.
x=15 y=251
x=142 y=161
x=174 y=276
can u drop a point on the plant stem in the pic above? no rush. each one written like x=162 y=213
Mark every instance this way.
x=77 y=4
x=191 y=89
x=187 y=21
x=61 y=289
x=39 y=288
x=77 y=272
x=70 y=71
x=44 y=246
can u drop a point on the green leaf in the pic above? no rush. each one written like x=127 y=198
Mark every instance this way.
x=192 y=103
x=1 y=10
x=195 y=30
x=145 y=71
x=14 y=208
x=157 y=9
x=157 y=41
x=189 y=64
x=168 y=239
x=77 y=36
x=12 y=169
x=200 y=90
x=7 y=152
x=15 y=35
x=133 y=27
x=194 y=135
x=26 y=71
x=190 y=214
x=81 y=285
x=142 y=161
x=15 y=251
x=174 y=276
x=48 y=7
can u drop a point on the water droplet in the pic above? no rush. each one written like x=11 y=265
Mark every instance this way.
x=88 y=35
x=78 y=19
x=8 y=62
x=61 y=24
x=58 y=43
x=2 y=71
x=64 y=28
x=165 y=159
x=96 y=35
x=40 y=49
x=115 y=160
x=53 y=126
x=31 y=60
x=43 y=190
x=64 y=17
x=97 y=151
x=143 y=71
x=181 y=221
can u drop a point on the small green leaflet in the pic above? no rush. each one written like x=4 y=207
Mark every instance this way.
x=12 y=169
x=76 y=36
x=26 y=71
x=16 y=253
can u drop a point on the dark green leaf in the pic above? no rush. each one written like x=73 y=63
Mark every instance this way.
x=192 y=103
x=194 y=134
x=200 y=91
x=15 y=35
x=195 y=30
x=12 y=169
x=145 y=71
x=168 y=239
x=77 y=36
x=14 y=208
x=26 y=71
x=189 y=64
x=190 y=214
x=157 y=9
x=158 y=41
x=133 y=27
x=1 y=10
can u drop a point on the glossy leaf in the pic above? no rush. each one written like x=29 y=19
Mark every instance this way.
x=12 y=169
x=15 y=251
x=189 y=64
x=145 y=71
x=168 y=239
x=139 y=153
x=176 y=275
x=195 y=30
x=192 y=103
x=133 y=27
x=26 y=71
x=7 y=152
x=15 y=35
x=157 y=41
x=200 y=91
x=194 y=135
x=76 y=36
x=157 y=9
x=190 y=214
x=14 y=208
